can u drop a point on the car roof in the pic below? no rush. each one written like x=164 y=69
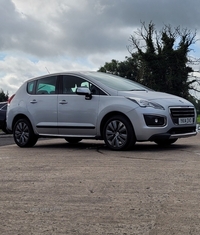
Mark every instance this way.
x=63 y=73
x=91 y=76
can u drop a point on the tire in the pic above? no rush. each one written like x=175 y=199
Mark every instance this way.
x=73 y=140
x=23 y=134
x=165 y=142
x=118 y=133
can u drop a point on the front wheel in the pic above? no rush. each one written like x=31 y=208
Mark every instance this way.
x=118 y=133
x=23 y=134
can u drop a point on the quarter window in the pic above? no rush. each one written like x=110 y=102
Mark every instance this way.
x=30 y=87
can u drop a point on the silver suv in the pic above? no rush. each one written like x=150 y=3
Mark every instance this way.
x=93 y=105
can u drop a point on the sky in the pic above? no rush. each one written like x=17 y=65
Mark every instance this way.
x=46 y=36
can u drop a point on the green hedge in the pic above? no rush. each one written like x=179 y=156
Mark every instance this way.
x=198 y=119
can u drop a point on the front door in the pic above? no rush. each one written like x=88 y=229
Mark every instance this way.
x=77 y=116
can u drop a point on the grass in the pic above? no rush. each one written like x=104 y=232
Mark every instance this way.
x=198 y=119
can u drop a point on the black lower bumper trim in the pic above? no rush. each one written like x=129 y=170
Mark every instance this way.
x=164 y=136
x=177 y=132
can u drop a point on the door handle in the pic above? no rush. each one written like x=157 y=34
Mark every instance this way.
x=33 y=101
x=63 y=102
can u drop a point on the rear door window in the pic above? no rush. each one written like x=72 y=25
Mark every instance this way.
x=46 y=85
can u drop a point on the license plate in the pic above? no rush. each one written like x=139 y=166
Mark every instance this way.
x=183 y=121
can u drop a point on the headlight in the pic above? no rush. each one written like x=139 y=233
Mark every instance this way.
x=145 y=103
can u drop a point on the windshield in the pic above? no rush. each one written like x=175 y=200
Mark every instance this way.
x=117 y=83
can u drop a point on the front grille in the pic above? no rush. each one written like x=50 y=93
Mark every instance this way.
x=177 y=113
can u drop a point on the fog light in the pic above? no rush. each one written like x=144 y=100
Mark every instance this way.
x=152 y=120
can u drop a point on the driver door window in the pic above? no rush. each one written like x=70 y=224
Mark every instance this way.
x=70 y=84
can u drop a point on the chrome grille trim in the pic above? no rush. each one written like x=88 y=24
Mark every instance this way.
x=181 y=112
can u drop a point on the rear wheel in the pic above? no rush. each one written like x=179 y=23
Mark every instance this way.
x=73 y=140
x=118 y=133
x=165 y=142
x=23 y=133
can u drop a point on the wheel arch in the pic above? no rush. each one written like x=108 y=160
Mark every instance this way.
x=19 y=116
x=111 y=114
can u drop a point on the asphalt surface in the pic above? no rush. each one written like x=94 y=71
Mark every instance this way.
x=86 y=189
x=6 y=139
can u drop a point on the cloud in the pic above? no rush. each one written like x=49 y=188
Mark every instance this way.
x=78 y=35
x=54 y=28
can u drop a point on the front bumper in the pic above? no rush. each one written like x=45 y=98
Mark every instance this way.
x=162 y=125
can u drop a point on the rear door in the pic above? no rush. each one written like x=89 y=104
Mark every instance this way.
x=76 y=115
x=42 y=104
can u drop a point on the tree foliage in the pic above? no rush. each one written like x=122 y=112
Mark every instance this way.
x=128 y=68
x=3 y=96
x=158 y=60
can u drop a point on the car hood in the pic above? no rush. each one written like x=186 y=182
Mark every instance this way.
x=159 y=97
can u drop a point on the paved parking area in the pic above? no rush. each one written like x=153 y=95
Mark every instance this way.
x=86 y=189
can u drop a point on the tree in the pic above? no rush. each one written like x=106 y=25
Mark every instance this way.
x=3 y=96
x=159 y=60
x=128 y=68
x=165 y=59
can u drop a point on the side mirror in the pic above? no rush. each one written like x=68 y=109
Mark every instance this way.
x=84 y=91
